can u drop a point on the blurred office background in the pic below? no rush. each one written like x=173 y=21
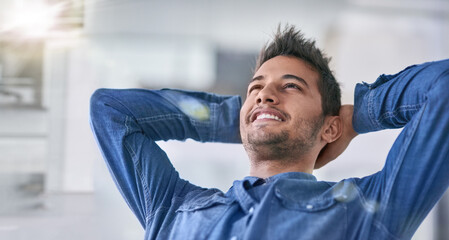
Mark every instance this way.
x=55 y=53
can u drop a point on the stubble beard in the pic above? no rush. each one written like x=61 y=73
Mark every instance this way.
x=280 y=146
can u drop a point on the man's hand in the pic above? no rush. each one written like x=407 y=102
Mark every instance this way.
x=332 y=150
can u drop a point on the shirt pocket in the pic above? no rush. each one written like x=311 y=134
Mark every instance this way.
x=307 y=210
x=197 y=217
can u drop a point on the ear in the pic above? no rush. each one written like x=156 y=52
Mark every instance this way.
x=332 y=129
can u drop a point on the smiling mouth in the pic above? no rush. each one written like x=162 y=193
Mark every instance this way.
x=268 y=116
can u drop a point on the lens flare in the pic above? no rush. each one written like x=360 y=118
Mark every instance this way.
x=345 y=191
x=195 y=109
x=34 y=19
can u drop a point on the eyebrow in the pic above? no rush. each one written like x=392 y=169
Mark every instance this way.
x=284 y=77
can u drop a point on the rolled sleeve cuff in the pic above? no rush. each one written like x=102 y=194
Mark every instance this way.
x=363 y=117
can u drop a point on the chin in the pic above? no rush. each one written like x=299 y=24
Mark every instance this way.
x=268 y=138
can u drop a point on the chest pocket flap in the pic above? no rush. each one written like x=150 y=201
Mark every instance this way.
x=306 y=195
x=205 y=199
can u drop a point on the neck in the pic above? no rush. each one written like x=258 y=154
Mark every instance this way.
x=263 y=168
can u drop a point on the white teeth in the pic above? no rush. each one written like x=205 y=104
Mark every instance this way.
x=269 y=116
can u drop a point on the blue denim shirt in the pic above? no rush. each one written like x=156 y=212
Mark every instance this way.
x=389 y=204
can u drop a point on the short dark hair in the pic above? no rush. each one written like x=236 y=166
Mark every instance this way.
x=291 y=42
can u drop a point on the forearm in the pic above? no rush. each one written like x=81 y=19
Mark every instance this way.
x=393 y=100
x=178 y=115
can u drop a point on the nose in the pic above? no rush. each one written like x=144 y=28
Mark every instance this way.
x=267 y=95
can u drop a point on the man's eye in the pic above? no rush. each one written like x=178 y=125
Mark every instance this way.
x=292 y=85
x=254 y=87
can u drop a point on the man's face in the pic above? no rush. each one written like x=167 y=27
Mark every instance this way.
x=282 y=113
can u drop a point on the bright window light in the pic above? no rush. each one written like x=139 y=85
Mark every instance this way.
x=31 y=19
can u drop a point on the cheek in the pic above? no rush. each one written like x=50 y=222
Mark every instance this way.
x=244 y=111
x=243 y=114
x=311 y=106
x=305 y=110
x=243 y=120
x=242 y=125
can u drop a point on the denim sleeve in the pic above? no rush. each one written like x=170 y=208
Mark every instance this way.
x=127 y=122
x=416 y=171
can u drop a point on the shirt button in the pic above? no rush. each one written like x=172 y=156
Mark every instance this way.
x=309 y=206
x=251 y=210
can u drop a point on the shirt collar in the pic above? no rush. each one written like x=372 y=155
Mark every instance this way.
x=286 y=175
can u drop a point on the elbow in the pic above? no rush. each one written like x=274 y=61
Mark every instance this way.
x=100 y=103
x=97 y=101
x=108 y=103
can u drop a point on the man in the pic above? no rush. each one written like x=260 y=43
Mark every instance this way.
x=290 y=123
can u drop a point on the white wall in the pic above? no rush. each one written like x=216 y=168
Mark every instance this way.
x=235 y=24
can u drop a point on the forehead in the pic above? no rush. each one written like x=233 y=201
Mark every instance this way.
x=278 y=66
